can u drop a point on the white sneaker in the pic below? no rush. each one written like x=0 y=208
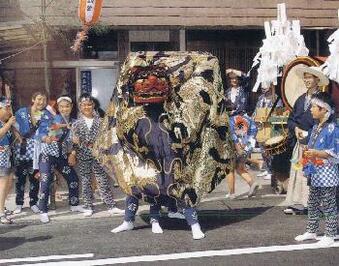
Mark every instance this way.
x=88 y=212
x=305 y=236
x=156 y=228
x=262 y=174
x=326 y=241
x=230 y=196
x=44 y=218
x=116 y=211
x=253 y=189
x=176 y=215
x=77 y=209
x=125 y=226
x=35 y=209
x=267 y=177
x=196 y=232
x=18 y=209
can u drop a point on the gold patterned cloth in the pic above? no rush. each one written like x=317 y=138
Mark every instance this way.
x=165 y=131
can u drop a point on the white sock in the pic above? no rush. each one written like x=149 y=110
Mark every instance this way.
x=156 y=228
x=196 y=231
x=125 y=226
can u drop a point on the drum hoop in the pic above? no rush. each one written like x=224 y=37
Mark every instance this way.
x=309 y=61
x=276 y=145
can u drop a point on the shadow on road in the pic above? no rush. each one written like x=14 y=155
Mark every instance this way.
x=13 y=242
x=8 y=228
x=211 y=219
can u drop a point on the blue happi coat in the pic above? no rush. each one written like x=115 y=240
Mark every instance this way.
x=326 y=175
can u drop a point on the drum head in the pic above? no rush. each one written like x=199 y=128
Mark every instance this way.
x=274 y=140
x=293 y=86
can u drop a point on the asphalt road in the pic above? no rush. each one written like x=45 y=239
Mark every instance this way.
x=241 y=224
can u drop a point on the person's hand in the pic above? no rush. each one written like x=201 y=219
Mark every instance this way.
x=76 y=140
x=17 y=136
x=72 y=160
x=11 y=121
x=37 y=175
x=239 y=149
x=299 y=133
x=48 y=139
x=232 y=70
x=7 y=91
x=311 y=153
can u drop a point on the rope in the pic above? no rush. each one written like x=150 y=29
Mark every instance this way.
x=20 y=52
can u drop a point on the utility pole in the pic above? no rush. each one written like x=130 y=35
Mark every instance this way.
x=44 y=46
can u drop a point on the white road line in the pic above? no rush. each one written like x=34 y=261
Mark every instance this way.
x=47 y=258
x=186 y=255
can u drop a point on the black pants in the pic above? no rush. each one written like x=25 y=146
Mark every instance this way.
x=24 y=171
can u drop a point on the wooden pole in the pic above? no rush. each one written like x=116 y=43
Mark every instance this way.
x=44 y=46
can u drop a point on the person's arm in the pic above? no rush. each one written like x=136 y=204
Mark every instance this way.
x=42 y=133
x=331 y=151
x=292 y=124
x=253 y=130
x=291 y=121
x=332 y=141
x=234 y=136
x=7 y=126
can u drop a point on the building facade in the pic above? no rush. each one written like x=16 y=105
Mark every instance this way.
x=232 y=30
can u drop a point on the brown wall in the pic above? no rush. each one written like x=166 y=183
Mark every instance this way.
x=27 y=80
x=192 y=13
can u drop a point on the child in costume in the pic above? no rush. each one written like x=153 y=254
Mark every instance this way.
x=6 y=122
x=85 y=131
x=243 y=132
x=54 y=133
x=28 y=120
x=320 y=166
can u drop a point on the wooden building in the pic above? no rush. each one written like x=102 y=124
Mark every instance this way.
x=230 y=29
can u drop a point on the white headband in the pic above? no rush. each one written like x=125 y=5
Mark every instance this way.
x=64 y=98
x=322 y=104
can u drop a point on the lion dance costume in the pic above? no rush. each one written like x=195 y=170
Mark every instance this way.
x=165 y=132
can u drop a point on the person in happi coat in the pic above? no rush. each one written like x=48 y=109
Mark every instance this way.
x=6 y=123
x=27 y=122
x=236 y=95
x=320 y=165
x=299 y=123
x=54 y=132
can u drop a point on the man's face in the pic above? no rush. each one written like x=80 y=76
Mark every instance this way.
x=310 y=81
x=65 y=108
x=87 y=108
x=39 y=102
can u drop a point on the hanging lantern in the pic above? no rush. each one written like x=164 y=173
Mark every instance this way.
x=89 y=13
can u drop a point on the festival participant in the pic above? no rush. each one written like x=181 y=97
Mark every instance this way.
x=299 y=123
x=84 y=133
x=237 y=97
x=320 y=165
x=266 y=101
x=132 y=205
x=50 y=111
x=54 y=133
x=28 y=120
x=6 y=122
x=243 y=132
x=164 y=135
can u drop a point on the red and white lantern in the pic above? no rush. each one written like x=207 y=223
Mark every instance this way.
x=89 y=11
x=89 y=14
